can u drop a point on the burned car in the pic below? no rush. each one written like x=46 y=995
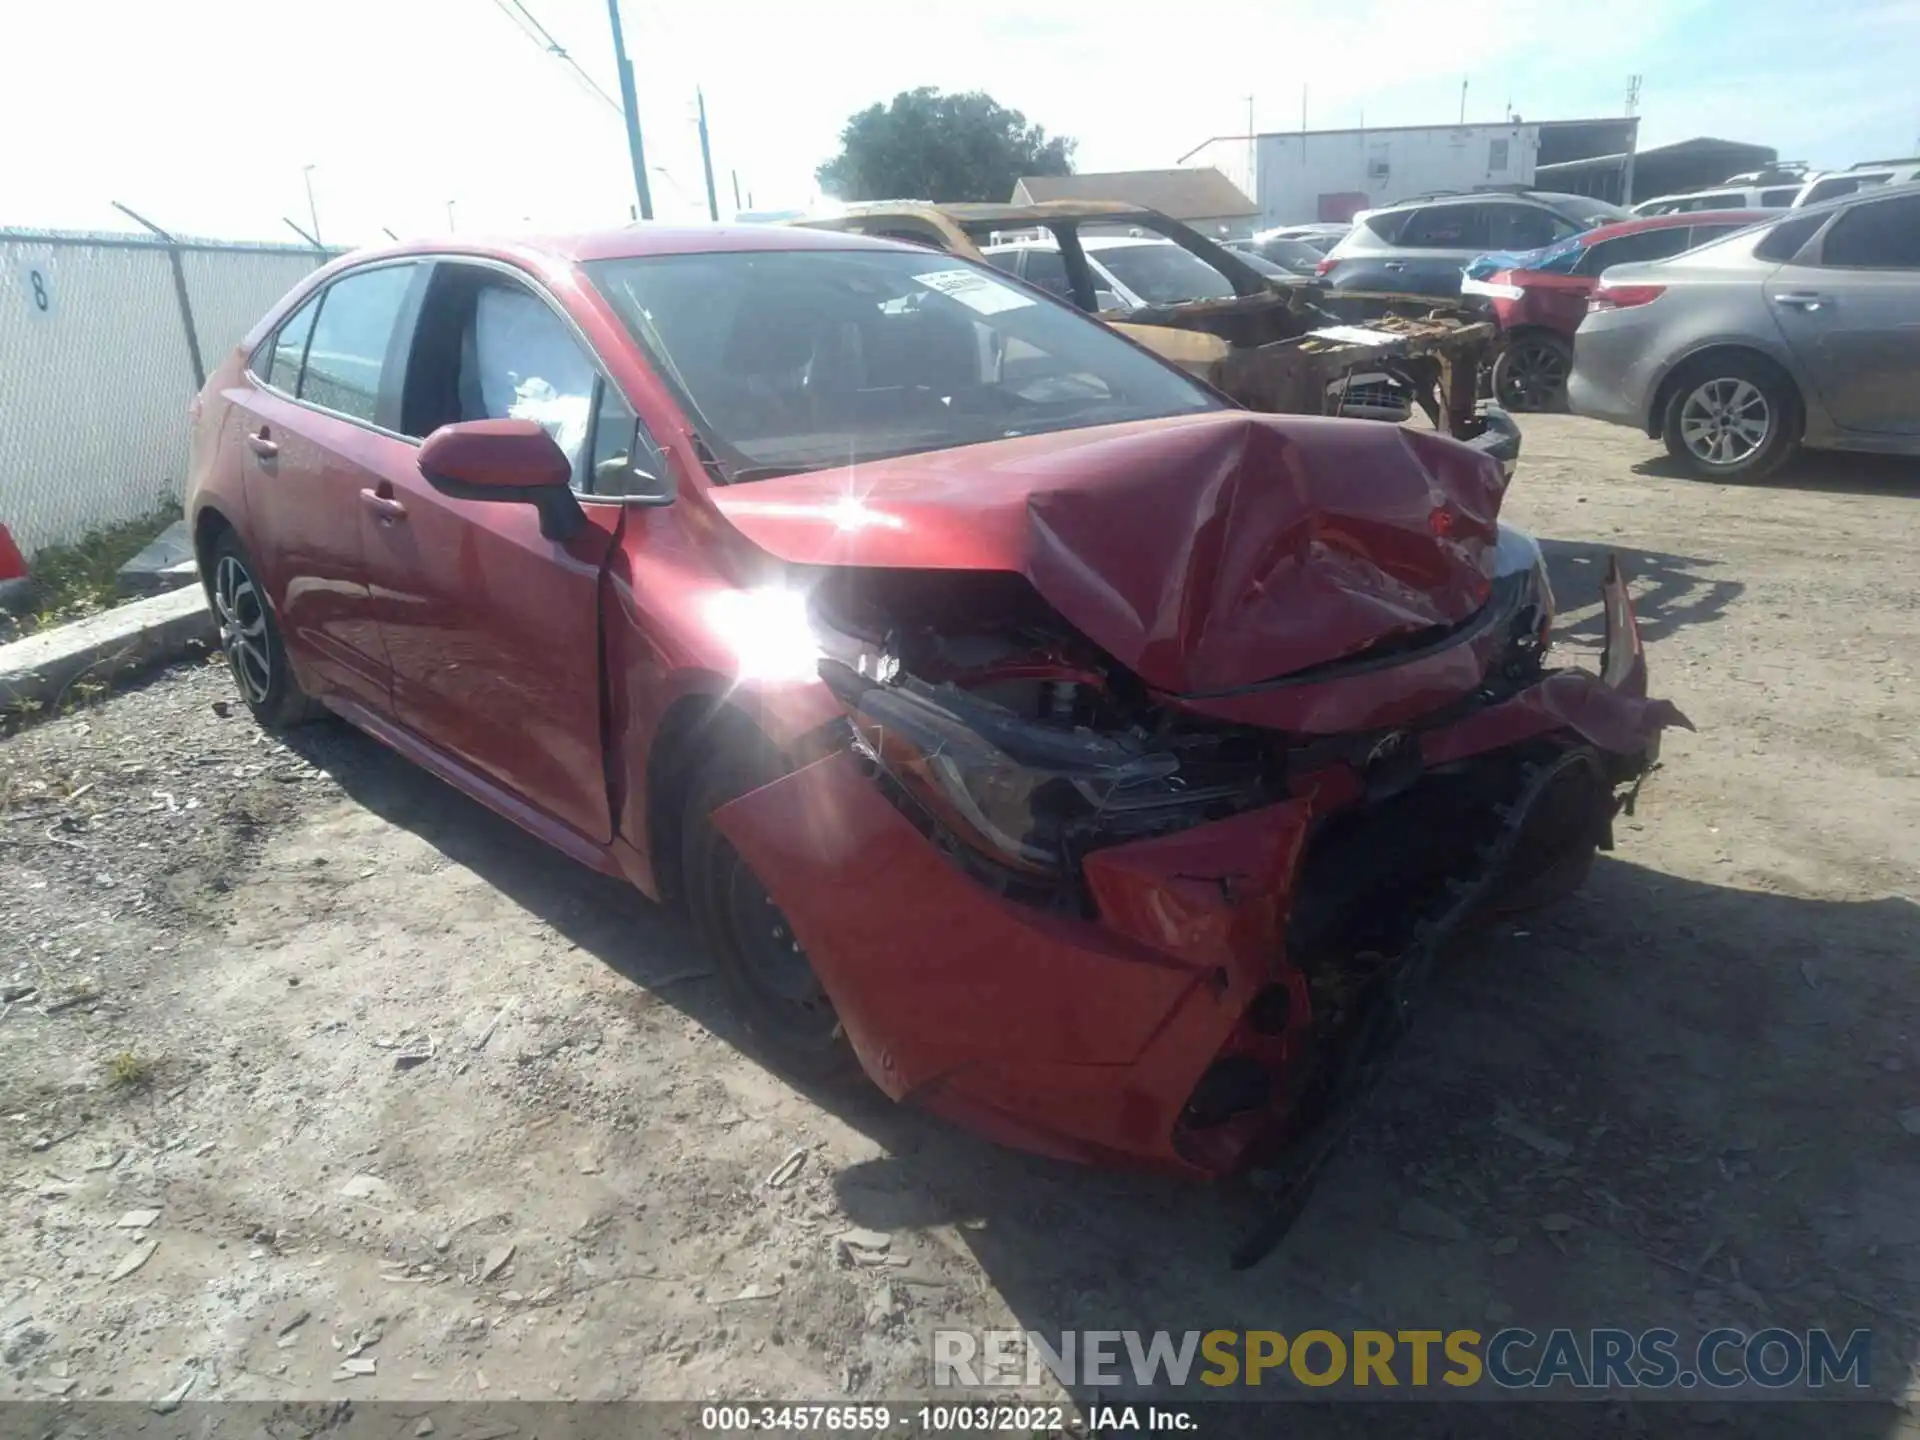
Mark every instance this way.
x=1076 y=753
x=1275 y=343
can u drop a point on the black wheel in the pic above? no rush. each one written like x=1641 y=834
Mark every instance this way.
x=1732 y=418
x=1530 y=372
x=250 y=636
x=761 y=966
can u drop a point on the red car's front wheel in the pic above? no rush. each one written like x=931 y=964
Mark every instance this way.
x=759 y=961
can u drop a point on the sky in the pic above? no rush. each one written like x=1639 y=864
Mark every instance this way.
x=420 y=115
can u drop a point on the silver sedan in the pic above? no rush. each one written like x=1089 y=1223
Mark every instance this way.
x=1803 y=330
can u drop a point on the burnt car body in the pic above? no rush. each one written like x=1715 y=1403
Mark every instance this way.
x=1274 y=346
x=1105 y=782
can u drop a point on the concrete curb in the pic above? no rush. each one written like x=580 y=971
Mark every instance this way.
x=40 y=668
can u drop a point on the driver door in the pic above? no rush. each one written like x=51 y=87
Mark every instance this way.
x=492 y=630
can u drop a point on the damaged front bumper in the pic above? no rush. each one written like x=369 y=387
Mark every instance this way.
x=1217 y=988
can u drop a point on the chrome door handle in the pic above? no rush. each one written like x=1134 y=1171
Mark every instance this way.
x=1801 y=300
x=1394 y=265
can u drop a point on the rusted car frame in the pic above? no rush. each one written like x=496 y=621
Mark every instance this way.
x=1273 y=347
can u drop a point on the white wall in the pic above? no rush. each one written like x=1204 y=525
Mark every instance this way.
x=95 y=375
x=1384 y=165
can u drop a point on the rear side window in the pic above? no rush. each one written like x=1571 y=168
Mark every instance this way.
x=1525 y=227
x=279 y=359
x=348 y=350
x=1047 y=271
x=1719 y=200
x=1771 y=198
x=1701 y=234
x=1449 y=227
x=1783 y=242
x=1884 y=235
x=1628 y=249
x=1007 y=260
x=1835 y=186
x=1390 y=224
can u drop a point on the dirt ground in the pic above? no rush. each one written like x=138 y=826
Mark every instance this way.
x=415 y=1097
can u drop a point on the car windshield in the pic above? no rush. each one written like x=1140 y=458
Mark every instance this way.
x=801 y=359
x=1161 y=273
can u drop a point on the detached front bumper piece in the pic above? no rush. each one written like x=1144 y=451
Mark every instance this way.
x=1211 y=993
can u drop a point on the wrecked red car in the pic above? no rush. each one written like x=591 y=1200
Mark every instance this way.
x=1081 y=756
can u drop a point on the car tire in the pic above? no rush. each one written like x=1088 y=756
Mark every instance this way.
x=1740 y=407
x=250 y=639
x=1530 y=372
x=768 y=980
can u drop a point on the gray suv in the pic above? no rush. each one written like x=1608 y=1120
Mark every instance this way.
x=1801 y=330
x=1420 y=246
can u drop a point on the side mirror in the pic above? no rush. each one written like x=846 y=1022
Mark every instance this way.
x=514 y=461
x=1105 y=300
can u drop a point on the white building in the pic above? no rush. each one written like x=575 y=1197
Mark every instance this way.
x=1330 y=175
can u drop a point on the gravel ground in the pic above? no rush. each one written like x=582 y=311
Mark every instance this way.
x=318 y=1080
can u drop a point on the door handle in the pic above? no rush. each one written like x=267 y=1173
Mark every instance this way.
x=262 y=443
x=1394 y=265
x=1802 y=300
x=385 y=506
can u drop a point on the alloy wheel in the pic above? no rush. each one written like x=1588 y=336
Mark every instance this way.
x=1726 y=421
x=779 y=967
x=243 y=629
x=1534 y=377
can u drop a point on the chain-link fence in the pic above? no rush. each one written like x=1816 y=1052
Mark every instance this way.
x=100 y=337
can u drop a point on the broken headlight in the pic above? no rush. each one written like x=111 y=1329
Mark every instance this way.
x=1025 y=795
x=1520 y=571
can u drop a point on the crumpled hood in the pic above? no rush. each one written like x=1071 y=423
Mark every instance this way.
x=1203 y=552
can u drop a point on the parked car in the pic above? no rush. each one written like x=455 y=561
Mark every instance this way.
x=1270 y=342
x=1321 y=235
x=1421 y=246
x=1296 y=257
x=1539 y=297
x=1134 y=273
x=1835 y=183
x=1084 y=757
x=1797 y=331
x=1726 y=197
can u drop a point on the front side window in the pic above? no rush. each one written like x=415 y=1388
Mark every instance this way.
x=519 y=361
x=1161 y=273
x=1783 y=242
x=1779 y=198
x=345 y=357
x=802 y=359
x=1884 y=235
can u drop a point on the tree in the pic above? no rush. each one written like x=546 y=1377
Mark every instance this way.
x=930 y=146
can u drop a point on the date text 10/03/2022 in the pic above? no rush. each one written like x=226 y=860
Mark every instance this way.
x=939 y=1419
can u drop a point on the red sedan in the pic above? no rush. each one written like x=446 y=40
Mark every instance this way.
x=1539 y=297
x=1078 y=755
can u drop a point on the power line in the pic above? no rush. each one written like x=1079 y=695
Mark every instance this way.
x=541 y=36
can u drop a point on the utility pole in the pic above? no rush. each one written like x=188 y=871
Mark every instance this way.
x=450 y=224
x=706 y=156
x=1253 y=154
x=1633 y=94
x=1463 y=99
x=313 y=213
x=736 y=190
x=635 y=151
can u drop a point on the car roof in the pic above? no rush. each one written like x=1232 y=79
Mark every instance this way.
x=1087 y=242
x=1676 y=221
x=628 y=242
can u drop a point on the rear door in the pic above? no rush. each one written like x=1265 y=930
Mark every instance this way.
x=1850 y=309
x=318 y=431
x=1430 y=248
x=491 y=628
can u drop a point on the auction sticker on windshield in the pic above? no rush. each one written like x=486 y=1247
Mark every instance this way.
x=975 y=291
